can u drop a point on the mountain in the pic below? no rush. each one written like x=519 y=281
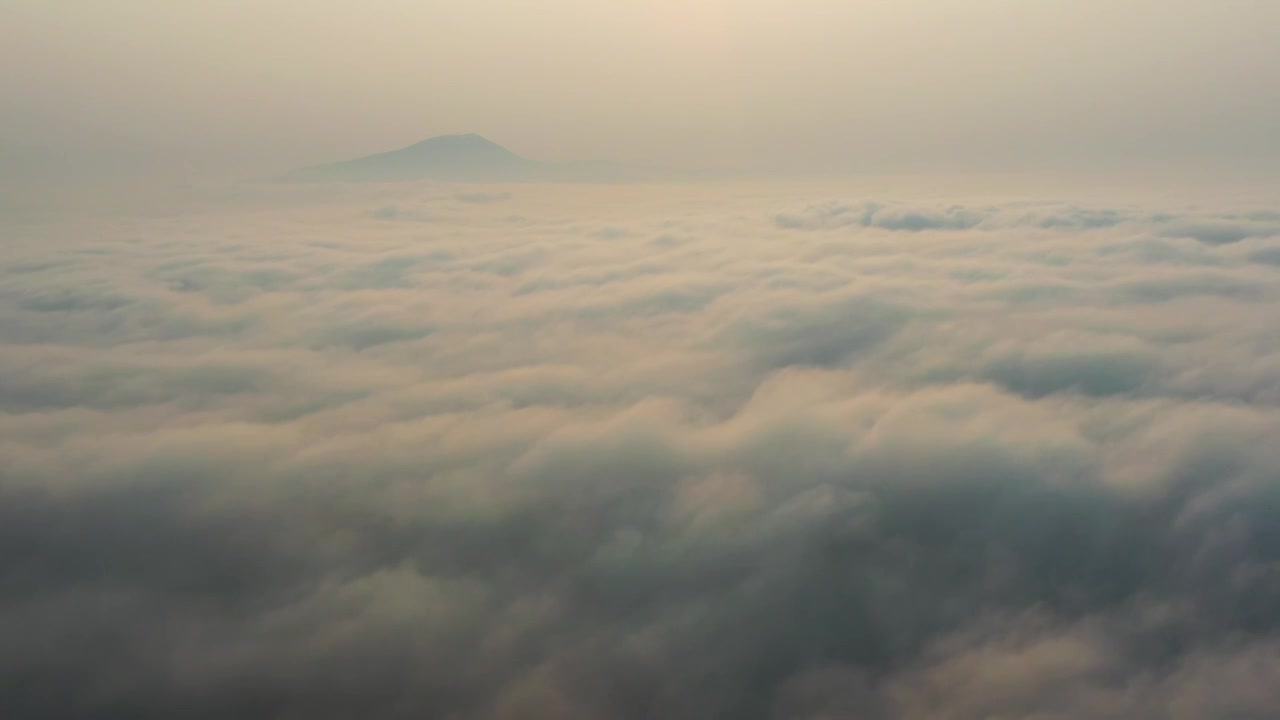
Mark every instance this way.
x=456 y=157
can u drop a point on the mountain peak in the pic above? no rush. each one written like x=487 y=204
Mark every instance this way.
x=461 y=157
x=463 y=140
x=445 y=157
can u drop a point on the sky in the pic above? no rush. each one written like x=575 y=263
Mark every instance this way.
x=795 y=85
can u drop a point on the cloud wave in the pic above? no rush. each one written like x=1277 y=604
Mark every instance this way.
x=637 y=452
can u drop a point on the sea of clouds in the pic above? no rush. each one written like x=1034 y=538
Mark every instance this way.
x=626 y=452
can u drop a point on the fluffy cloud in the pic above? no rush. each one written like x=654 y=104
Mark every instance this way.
x=633 y=452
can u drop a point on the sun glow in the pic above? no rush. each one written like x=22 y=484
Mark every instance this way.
x=701 y=26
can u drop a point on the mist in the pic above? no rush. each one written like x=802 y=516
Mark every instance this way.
x=765 y=86
x=905 y=361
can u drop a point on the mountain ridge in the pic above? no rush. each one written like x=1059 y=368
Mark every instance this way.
x=456 y=157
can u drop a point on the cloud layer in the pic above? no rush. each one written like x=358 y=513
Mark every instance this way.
x=623 y=452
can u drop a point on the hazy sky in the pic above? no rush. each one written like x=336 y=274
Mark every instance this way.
x=817 y=84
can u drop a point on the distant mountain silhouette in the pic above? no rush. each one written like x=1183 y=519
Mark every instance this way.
x=468 y=158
